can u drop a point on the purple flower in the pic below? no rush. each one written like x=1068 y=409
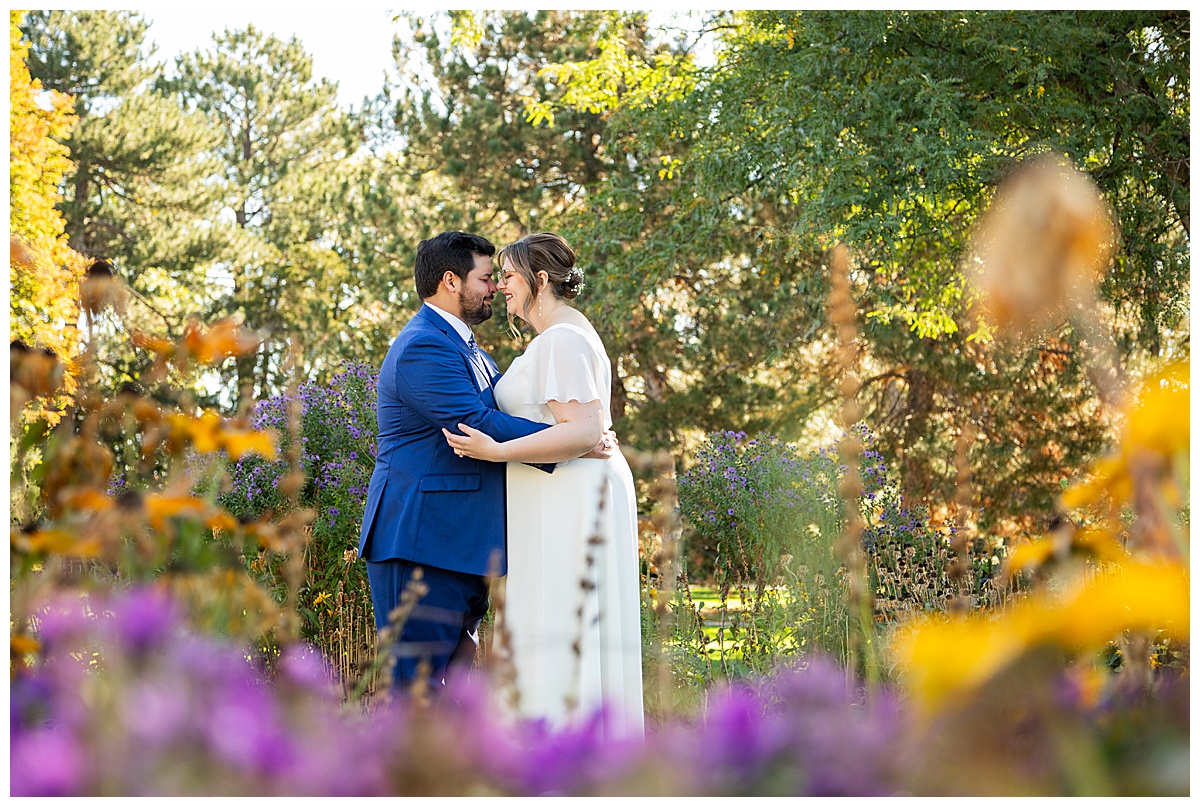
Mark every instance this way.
x=739 y=740
x=304 y=665
x=143 y=618
x=46 y=762
x=156 y=712
x=243 y=727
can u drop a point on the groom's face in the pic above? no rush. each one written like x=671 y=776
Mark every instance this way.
x=475 y=296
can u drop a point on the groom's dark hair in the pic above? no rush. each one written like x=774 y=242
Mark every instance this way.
x=447 y=252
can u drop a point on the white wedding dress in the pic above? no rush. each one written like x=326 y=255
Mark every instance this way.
x=571 y=614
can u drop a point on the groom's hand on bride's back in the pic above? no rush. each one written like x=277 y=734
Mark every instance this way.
x=607 y=446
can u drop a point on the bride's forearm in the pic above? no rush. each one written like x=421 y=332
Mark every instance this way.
x=577 y=432
x=563 y=441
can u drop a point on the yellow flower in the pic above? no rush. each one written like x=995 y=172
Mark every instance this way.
x=205 y=432
x=1030 y=555
x=322 y=597
x=1134 y=596
x=222 y=521
x=161 y=506
x=1097 y=543
x=947 y=657
x=1109 y=476
x=1159 y=419
x=1100 y=543
x=208 y=433
x=22 y=645
x=88 y=499
x=1157 y=429
x=239 y=443
x=222 y=340
x=156 y=344
x=63 y=543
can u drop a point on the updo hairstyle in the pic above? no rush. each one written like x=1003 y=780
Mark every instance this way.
x=549 y=253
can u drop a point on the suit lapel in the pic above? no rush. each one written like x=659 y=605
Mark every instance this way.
x=456 y=339
x=448 y=330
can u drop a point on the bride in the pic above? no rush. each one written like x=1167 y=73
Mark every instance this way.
x=571 y=621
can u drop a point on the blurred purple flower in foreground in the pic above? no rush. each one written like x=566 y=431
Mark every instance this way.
x=125 y=702
x=169 y=713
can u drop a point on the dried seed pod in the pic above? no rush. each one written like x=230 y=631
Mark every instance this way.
x=1044 y=243
x=100 y=289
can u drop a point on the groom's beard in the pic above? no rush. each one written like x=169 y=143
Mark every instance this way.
x=476 y=309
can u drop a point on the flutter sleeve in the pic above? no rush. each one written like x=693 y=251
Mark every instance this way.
x=563 y=369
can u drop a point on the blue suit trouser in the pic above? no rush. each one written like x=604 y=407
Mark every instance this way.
x=443 y=627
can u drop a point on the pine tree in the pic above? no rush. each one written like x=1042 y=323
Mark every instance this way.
x=282 y=151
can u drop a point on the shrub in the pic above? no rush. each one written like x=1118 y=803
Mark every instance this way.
x=337 y=432
x=762 y=521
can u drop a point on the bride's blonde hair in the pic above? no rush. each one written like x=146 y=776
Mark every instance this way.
x=549 y=253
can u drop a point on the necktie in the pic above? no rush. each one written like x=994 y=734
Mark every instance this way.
x=481 y=368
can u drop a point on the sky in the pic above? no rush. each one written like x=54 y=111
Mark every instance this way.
x=350 y=45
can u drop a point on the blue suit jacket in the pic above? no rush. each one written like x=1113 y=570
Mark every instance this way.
x=426 y=504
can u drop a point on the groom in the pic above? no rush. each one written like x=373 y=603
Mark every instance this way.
x=428 y=508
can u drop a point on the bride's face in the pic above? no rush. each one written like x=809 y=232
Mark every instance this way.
x=517 y=295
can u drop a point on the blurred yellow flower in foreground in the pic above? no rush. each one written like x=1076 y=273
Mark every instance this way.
x=161 y=506
x=1160 y=417
x=1096 y=543
x=208 y=433
x=207 y=346
x=59 y=542
x=20 y=644
x=224 y=339
x=1157 y=429
x=222 y=522
x=238 y=443
x=943 y=658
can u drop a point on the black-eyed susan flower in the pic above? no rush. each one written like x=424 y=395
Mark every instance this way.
x=222 y=340
x=945 y=657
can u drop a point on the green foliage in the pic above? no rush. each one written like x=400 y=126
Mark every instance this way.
x=761 y=521
x=699 y=195
x=280 y=153
x=467 y=122
x=887 y=130
x=754 y=505
x=135 y=195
